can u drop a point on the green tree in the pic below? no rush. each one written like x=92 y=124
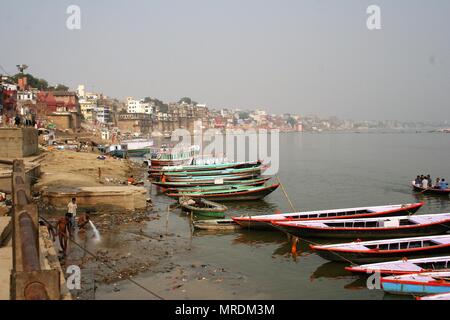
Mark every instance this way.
x=188 y=101
x=291 y=121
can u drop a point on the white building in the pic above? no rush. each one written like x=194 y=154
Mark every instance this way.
x=103 y=114
x=81 y=91
x=138 y=106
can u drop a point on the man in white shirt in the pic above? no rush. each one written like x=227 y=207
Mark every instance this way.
x=425 y=183
x=72 y=211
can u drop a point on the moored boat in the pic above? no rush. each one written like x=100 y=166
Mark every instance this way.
x=202 y=207
x=384 y=250
x=264 y=221
x=216 y=225
x=211 y=179
x=207 y=188
x=205 y=167
x=435 y=191
x=373 y=228
x=131 y=148
x=181 y=184
x=256 y=170
x=417 y=283
x=165 y=156
x=239 y=194
x=404 y=266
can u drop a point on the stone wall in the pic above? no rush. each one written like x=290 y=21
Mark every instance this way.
x=18 y=142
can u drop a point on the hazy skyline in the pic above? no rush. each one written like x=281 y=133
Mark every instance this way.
x=305 y=57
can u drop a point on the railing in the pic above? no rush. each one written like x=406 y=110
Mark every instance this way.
x=28 y=280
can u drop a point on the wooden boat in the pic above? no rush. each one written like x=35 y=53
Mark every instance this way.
x=205 y=167
x=216 y=225
x=208 y=188
x=202 y=207
x=239 y=194
x=131 y=148
x=418 y=283
x=385 y=250
x=251 y=182
x=212 y=179
x=404 y=266
x=225 y=172
x=264 y=221
x=373 y=228
x=164 y=156
x=435 y=191
x=440 y=296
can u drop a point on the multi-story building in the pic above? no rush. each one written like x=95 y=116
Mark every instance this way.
x=103 y=113
x=139 y=106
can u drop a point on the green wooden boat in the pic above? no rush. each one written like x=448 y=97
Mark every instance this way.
x=216 y=225
x=208 y=188
x=212 y=179
x=187 y=184
x=202 y=207
x=205 y=167
x=227 y=172
x=238 y=194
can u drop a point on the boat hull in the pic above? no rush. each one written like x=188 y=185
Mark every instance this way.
x=181 y=185
x=262 y=224
x=405 y=288
x=236 y=196
x=364 y=233
x=438 y=192
x=373 y=256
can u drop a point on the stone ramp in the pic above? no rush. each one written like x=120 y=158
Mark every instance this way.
x=119 y=197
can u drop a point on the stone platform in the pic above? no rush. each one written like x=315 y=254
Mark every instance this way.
x=115 y=198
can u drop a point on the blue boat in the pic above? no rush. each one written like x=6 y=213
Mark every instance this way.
x=417 y=284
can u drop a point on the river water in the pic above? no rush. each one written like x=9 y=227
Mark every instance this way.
x=319 y=171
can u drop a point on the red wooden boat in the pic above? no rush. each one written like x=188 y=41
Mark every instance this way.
x=264 y=222
x=385 y=250
x=239 y=194
x=373 y=228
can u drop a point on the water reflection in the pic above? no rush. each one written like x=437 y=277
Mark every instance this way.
x=332 y=269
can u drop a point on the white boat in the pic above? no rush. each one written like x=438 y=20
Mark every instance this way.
x=385 y=250
x=264 y=221
x=369 y=228
x=404 y=266
x=131 y=148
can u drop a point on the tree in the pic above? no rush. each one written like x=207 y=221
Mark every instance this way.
x=61 y=87
x=243 y=115
x=188 y=101
x=33 y=82
x=292 y=122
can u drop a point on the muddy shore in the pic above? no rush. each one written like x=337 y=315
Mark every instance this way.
x=144 y=245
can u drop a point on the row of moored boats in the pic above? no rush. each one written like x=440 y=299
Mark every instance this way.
x=411 y=252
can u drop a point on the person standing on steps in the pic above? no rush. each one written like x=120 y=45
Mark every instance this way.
x=72 y=212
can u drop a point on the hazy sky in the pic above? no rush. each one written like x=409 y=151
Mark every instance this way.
x=306 y=57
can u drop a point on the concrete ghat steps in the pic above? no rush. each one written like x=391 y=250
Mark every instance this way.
x=120 y=197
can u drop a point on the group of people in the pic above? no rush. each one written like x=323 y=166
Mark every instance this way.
x=425 y=182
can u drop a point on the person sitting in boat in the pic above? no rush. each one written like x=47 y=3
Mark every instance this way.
x=438 y=181
x=430 y=181
x=418 y=182
x=424 y=182
x=443 y=184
